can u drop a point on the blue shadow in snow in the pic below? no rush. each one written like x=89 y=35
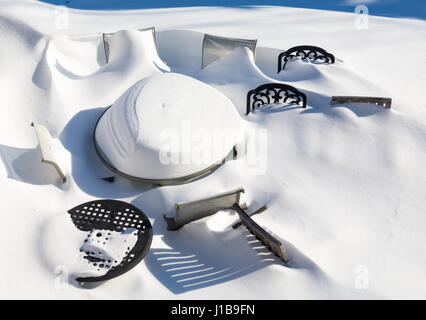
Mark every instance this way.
x=88 y=170
x=196 y=257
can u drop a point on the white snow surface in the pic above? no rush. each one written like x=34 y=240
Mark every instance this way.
x=163 y=128
x=345 y=185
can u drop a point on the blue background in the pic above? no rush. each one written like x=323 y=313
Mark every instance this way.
x=390 y=8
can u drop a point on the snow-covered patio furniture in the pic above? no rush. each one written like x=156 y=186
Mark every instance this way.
x=215 y=47
x=314 y=53
x=272 y=93
x=239 y=223
x=146 y=135
x=119 y=236
x=147 y=36
x=194 y=210
x=191 y=211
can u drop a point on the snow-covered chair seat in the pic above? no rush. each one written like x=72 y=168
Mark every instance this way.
x=49 y=149
x=119 y=237
x=96 y=240
x=215 y=47
x=147 y=38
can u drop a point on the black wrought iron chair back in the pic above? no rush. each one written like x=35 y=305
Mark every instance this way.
x=304 y=52
x=272 y=93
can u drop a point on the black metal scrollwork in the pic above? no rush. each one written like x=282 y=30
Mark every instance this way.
x=274 y=93
x=304 y=52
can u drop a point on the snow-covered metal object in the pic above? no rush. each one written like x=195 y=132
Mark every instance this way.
x=215 y=47
x=162 y=130
x=272 y=93
x=195 y=210
x=110 y=222
x=155 y=182
x=304 y=52
x=263 y=236
x=107 y=36
x=47 y=149
x=191 y=211
x=385 y=102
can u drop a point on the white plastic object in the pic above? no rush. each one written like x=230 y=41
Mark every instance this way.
x=47 y=149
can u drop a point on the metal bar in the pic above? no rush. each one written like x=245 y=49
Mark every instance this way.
x=260 y=210
x=385 y=102
x=266 y=238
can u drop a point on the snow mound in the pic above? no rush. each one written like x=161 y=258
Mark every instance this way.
x=344 y=184
x=240 y=61
x=132 y=55
x=234 y=75
x=168 y=126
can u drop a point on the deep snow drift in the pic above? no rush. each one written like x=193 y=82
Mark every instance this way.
x=344 y=184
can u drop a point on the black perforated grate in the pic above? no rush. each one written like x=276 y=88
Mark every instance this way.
x=112 y=215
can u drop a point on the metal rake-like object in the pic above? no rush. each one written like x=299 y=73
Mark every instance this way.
x=118 y=216
x=194 y=210
x=263 y=236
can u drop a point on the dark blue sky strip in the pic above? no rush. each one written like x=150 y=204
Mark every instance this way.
x=388 y=8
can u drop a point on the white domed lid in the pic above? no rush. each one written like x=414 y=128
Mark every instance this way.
x=167 y=126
